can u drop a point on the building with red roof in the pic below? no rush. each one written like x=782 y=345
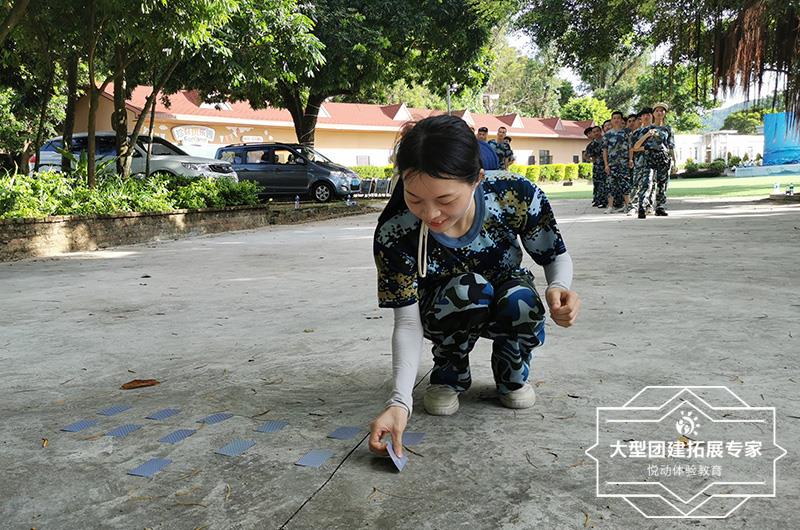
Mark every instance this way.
x=348 y=133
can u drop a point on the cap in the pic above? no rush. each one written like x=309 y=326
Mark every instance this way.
x=662 y=105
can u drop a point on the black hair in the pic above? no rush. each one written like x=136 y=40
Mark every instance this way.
x=646 y=110
x=440 y=146
x=634 y=116
x=621 y=115
x=607 y=121
x=587 y=130
x=597 y=127
x=483 y=129
x=508 y=139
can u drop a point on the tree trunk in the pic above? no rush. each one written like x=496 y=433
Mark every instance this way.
x=46 y=97
x=119 y=118
x=150 y=132
x=13 y=18
x=304 y=117
x=91 y=127
x=150 y=103
x=24 y=157
x=72 y=98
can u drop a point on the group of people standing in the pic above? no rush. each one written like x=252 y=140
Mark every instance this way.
x=633 y=158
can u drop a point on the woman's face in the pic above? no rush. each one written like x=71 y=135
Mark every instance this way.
x=647 y=119
x=659 y=114
x=439 y=203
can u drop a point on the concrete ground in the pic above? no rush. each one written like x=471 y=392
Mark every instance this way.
x=282 y=323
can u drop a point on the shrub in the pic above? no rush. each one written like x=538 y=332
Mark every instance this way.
x=369 y=172
x=553 y=172
x=571 y=171
x=533 y=173
x=717 y=165
x=519 y=169
x=51 y=193
x=388 y=171
x=691 y=167
x=585 y=170
x=734 y=161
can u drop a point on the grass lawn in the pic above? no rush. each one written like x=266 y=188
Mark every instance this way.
x=710 y=187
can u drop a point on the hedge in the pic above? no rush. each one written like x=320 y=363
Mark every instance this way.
x=553 y=172
x=585 y=170
x=54 y=193
x=571 y=171
x=535 y=173
x=373 y=172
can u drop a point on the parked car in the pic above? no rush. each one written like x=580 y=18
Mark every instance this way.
x=291 y=169
x=164 y=156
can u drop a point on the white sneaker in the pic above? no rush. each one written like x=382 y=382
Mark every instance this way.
x=522 y=398
x=440 y=400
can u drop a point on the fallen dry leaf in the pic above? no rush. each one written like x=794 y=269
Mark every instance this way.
x=140 y=383
x=44 y=442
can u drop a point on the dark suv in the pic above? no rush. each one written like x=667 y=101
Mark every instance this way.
x=290 y=169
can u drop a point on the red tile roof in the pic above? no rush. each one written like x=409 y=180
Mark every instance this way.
x=187 y=105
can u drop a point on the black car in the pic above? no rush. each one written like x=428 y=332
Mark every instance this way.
x=291 y=169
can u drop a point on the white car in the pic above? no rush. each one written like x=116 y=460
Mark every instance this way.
x=164 y=157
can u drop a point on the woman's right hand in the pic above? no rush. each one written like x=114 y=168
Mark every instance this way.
x=393 y=421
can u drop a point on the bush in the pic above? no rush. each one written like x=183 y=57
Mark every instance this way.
x=51 y=193
x=691 y=167
x=734 y=161
x=571 y=171
x=533 y=173
x=519 y=169
x=553 y=172
x=374 y=172
x=585 y=170
x=717 y=165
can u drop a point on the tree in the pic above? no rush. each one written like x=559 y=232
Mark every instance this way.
x=744 y=121
x=372 y=43
x=730 y=43
x=586 y=108
x=524 y=85
x=157 y=38
x=12 y=17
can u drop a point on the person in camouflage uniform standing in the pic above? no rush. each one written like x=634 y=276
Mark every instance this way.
x=615 y=160
x=594 y=153
x=660 y=143
x=640 y=193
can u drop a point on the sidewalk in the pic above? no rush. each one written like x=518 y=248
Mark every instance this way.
x=281 y=323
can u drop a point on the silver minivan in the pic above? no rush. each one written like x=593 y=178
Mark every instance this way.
x=165 y=157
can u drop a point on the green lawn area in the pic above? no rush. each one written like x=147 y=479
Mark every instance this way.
x=710 y=187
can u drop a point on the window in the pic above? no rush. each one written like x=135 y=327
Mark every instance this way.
x=52 y=146
x=576 y=159
x=229 y=155
x=105 y=146
x=544 y=156
x=257 y=156
x=362 y=160
x=284 y=156
x=532 y=160
x=160 y=147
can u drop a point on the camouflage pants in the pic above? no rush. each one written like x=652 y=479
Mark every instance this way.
x=619 y=182
x=661 y=177
x=600 y=194
x=642 y=182
x=468 y=307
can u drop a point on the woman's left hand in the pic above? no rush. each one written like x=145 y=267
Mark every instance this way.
x=564 y=306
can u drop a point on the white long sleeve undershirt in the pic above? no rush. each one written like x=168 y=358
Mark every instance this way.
x=407 y=335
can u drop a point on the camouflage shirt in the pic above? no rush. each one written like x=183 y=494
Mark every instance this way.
x=663 y=138
x=616 y=143
x=509 y=209
x=595 y=151
x=638 y=157
x=504 y=152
